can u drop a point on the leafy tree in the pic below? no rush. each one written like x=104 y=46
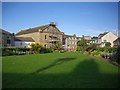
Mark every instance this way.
x=36 y=47
x=82 y=44
x=91 y=47
x=78 y=48
x=57 y=46
x=107 y=44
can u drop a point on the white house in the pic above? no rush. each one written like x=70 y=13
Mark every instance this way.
x=117 y=42
x=23 y=42
x=106 y=37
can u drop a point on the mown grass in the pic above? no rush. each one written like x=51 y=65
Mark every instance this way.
x=58 y=70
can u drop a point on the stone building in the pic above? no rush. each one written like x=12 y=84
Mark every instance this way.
x=71 y=42
x=47 y=35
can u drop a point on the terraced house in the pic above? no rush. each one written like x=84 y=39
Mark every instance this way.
x=47 y=35
x=71 y=42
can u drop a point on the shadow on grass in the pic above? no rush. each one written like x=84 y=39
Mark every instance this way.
x=58 y=62
x=85 y=75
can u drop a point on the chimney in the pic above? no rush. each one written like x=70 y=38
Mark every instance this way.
x=52 y=24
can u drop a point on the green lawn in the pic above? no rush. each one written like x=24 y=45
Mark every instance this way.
x=61 y=70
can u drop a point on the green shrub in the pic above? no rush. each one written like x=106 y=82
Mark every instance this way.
x=94 y=53
x=78 y=48
x=45 y=50
x=107 y=49
x=100 y=49
x=8 y=51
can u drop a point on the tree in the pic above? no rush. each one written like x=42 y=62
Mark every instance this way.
x=57 y=46
x=36 y=47
x=78 y=48
x=107 y=44
x=82 y=44
x=91 y=47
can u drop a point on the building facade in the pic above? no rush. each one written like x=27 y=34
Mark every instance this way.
x=6 y=39
x=117 y=42
x=71 y=42
x=47 y=35
x=106 y=37
x=23 y=42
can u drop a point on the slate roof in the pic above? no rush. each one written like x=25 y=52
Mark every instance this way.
x=32 y=30
x=70 y=35
x=28 y=39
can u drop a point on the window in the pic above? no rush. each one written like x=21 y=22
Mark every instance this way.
x=45 y=46
x=8 y=42
x=8 y=38
x=105 y=40
x=21 y=44
x=75 y=43
x=72 y=42
x=45 y=37
x=69 y=42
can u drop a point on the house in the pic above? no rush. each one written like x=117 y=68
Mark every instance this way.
x=106 y=37
x=47 y=35
x=23 y=42
x=117 y=42
x=6 y=39
x=119 y=33
x=94 y=40
x=86 y=37
x=71 y=42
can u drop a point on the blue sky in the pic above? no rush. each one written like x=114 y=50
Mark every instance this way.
x=81 y=18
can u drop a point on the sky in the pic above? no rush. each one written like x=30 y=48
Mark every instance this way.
x=80 y=18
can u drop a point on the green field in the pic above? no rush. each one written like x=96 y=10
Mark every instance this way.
x=58 y=70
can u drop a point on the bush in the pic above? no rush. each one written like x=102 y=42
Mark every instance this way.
x=45 y=50
x=95 y=53
x=8 y=51
x=78 y=48
x=62 y=51
x=100 y=49
x=36 y=47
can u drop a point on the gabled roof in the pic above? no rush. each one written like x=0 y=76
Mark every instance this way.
x=102 y=34
x=3 y=31
x=74 y=35
x=32 y=30
x=118 y=39
x=28 y=39
x=38 y=29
